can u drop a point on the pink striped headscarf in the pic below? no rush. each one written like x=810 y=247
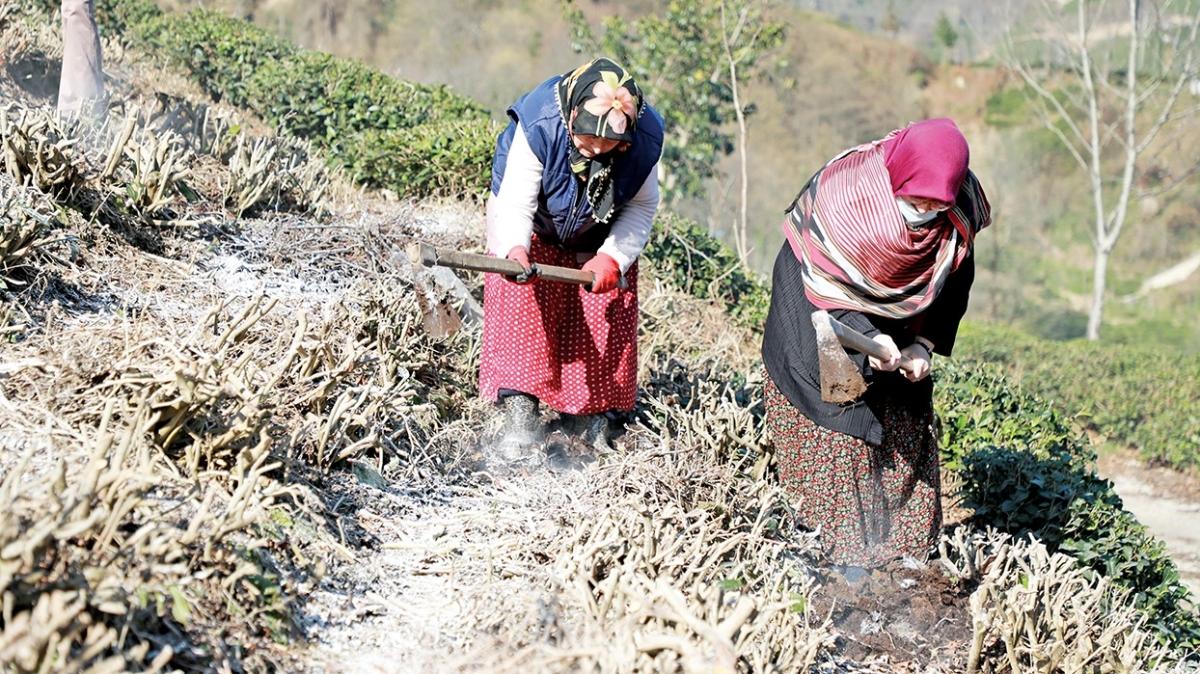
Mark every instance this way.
x=856 y=250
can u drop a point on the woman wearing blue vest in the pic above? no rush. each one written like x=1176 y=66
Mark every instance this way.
x=574 y=184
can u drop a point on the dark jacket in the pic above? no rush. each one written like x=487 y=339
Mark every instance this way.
x=789 y=349
x=564 y=216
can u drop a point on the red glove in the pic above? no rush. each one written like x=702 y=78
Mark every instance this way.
x=606 y=271
x=520 y=255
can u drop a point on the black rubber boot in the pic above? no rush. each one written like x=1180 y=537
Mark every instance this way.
x=594 y=431
x=520 y=439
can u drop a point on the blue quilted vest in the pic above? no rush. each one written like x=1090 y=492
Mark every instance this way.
x=564 y=216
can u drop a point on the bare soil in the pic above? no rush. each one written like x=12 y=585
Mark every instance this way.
x=908 y=614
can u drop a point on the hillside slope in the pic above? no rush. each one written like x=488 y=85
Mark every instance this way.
x=833 y=86
x=229 y=445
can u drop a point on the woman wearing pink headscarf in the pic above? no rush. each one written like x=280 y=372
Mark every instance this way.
x=882 y=238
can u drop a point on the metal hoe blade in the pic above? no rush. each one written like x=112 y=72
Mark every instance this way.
x=841 y=380
x=438 y=316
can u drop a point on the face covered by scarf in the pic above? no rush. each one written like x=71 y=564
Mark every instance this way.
x=912 y=216
x=927 y=159
x=599 y=99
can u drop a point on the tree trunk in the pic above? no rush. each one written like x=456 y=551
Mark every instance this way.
x=1099 y=280
x=740 y=230
x=742 y=233
x=82 y=69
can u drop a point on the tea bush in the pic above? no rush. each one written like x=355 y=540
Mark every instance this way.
x=413 y=138
x=114 y=17
x=222 y=53
x=323 y=98
x=1140 y=395
x=687 y=256
x=448 y=158
x=118 y=16
x=1026 y=472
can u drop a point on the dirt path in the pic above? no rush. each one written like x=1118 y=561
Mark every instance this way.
x=428 y=584
x=1166 y=502
x=433 y=587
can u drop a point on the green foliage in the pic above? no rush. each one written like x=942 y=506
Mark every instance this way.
x=1139 y=395
x=113 y=16
x=118 y=16
x=980 y=409
x=222 y=53
x=1055 y=323
x=1006 y=107
x=688 y=257
x=323 y=98
x=1170 y=327
x=1026 y=472
x=449 y=157
x=678 y=56
x=944 y=32
x=413 y=138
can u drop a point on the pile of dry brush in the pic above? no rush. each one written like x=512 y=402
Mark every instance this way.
x=177 y=451
x=155 y=424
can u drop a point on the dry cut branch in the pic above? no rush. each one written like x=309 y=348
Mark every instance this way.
x=1036 y=612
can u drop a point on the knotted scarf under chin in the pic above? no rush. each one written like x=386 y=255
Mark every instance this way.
x=599 y=99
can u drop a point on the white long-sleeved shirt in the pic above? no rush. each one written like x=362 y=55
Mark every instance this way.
x=510 y=211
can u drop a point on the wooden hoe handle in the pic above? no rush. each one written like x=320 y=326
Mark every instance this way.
x=429 y=256
x=861 y=343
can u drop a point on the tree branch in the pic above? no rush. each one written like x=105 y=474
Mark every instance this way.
x=1030 y=81
x=1094 y=170
x=740 y=233
x=1116 y=220
x=1172 y=184
x=1185 y=75
x=1044 y=115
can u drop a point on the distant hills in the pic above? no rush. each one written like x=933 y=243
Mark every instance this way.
x=842 y=78
x=976 y=22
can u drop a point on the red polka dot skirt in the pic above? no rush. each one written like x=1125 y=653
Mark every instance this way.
x=573 y=350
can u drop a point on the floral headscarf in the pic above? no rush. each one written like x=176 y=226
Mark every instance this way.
x=599 y=99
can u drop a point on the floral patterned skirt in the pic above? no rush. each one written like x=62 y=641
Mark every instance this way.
x=871 y=503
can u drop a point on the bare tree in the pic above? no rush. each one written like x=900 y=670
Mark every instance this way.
x=1107 y=82
x=730 y=36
